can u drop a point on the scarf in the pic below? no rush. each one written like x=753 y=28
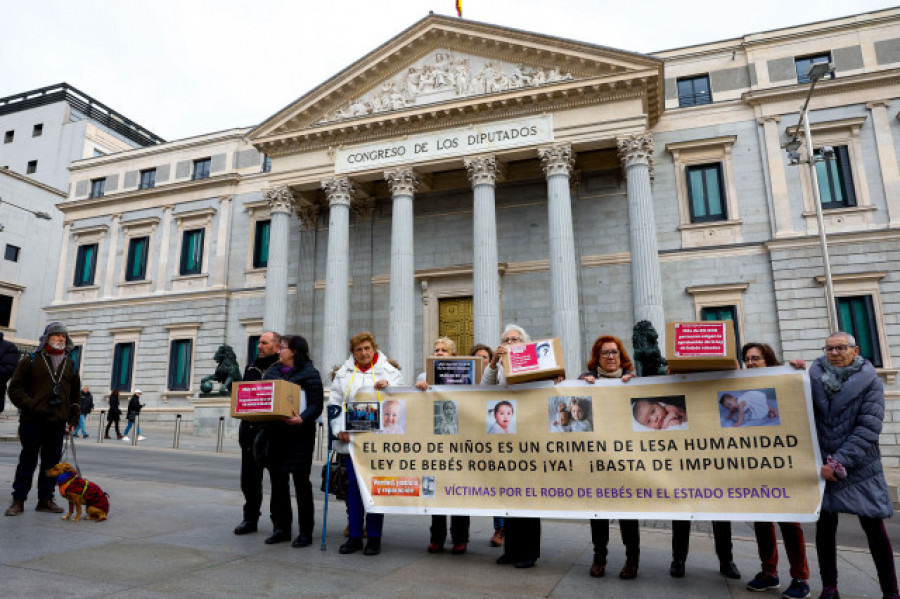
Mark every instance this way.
x=615 y=374
x=833 y=377
x=372 y=365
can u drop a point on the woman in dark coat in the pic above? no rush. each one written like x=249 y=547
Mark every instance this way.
x=290 y=443
x=848 y=403
x=115 y=413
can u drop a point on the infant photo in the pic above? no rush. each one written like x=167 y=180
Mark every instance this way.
x=446 y=419
x=570 y=415
x=501 y=416
x=658 y=413
x=752 y=407
x=393 y=417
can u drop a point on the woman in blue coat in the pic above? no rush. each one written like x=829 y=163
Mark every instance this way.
x=287 y=446
x=848 y=402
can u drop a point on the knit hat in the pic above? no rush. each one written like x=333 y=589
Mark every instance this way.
x=57 y=328
x=137 y=391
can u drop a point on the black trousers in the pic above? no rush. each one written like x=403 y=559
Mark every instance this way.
x=111 y=422
x=681 y=538
x=459 y=529
x=280 y=504
x=631 y=538
x=251 y=485
x=523 y=539
x=39 y=439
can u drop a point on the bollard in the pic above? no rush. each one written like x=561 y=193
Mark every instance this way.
x=177 y=431
x=134 y=433
x=221 y=434
x=319 y=444
x=100 y=429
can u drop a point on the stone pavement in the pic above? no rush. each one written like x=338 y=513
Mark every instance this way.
x=169 y=540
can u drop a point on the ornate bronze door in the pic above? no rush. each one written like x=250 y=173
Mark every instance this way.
x=455 y=321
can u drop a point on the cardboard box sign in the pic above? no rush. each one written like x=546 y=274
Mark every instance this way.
x=266 y=400
x=534 y=361
x=456 y=370
x=695 y=346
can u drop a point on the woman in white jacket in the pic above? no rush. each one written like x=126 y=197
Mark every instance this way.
x=366 y=369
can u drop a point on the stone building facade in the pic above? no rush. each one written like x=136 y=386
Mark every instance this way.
x=463 y=175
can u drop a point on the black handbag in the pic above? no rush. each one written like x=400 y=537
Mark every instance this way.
x=336 y=472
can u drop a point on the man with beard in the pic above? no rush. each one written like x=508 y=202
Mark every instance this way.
x=46 y=389
x=251 y=470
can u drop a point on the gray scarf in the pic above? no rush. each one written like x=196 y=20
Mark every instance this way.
x=834 y=376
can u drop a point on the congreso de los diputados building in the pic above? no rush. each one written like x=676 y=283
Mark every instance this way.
x=464 y=175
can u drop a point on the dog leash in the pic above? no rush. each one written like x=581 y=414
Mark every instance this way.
x=69 y=441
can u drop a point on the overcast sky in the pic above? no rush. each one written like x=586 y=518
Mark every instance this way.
x=186 y=67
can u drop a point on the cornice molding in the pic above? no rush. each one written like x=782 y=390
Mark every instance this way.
x=30 y=181
x=226 y=182
x=825 y=87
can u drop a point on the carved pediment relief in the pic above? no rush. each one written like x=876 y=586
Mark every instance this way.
x=446 y=75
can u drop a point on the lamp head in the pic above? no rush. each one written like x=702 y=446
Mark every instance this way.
x=793 y=158
x=792 y=145
x=817 y=70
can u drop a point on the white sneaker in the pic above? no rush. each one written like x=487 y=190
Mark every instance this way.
x=126 y=439
x=141 y=437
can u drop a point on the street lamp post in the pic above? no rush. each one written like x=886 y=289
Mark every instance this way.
x=38 y=213
x=816 y=72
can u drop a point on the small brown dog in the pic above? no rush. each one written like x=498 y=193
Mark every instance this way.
x=78 y=492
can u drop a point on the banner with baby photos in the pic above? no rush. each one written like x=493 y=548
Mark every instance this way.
x=735 y=445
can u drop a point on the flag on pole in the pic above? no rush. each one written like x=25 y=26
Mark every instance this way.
x=459 y=8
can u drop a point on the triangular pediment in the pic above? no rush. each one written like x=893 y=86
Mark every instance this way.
x=441 y=67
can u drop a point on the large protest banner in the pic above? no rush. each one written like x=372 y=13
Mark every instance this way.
x=734 y=445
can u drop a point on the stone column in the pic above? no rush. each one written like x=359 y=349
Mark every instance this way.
x=223 y=242
x=63 y=270
x=887 y=158
x=557 y=162
x=335 y=335
x=281 y=202
x=484 y=172
x=636 y=153
x=160 y=280
x=403 y=182
x=112 y=247
x=308 y=215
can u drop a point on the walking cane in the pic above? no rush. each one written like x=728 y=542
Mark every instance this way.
x=333 y=412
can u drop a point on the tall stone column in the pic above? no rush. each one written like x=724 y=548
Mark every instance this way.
x=161 y=279
x=636 y=153
x=63 y=271
x=223 y=242
x=281 y=202
x=484 y=172
x=308 y=215
x=557 y=162
x=403 y=182
x=335 y=332
x=112 y=248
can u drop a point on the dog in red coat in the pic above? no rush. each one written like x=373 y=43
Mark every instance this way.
x=79 y=492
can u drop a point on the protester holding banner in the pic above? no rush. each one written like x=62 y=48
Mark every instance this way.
x=367 y=369
x=848 y=403
x=761 y=355
x=290 y=444
x=487 y=354
x=459 y=525
x=522 y=545
x=610 y=360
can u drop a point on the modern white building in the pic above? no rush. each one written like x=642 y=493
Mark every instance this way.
x=41 y=132
x=465 y=175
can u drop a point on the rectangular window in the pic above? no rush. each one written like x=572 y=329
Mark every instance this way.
x=31 y=168
x=180 y=365
x=252 y=348
x=856 y=315
x=136 y=266
x=98 y=187
x=706 y=193
x=97 y=152
x=803 y=64
x=9 y=136
x=11 y=253
x=6 y=305
x=85 y=265
x=75 y=354
x=192 y=252
x=201 y=168
x=148 y=178
x=38 y=130
x=267 y=163
x=123 y=362
x=693 y=91
x=723 y=313
x=261 y=244
x=835 y=179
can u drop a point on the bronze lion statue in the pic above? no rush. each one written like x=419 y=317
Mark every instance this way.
x=648 y=360
x=227 y=371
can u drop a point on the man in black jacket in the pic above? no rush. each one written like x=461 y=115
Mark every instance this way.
x=251 y=470
x=87 y=406
x=9 y=357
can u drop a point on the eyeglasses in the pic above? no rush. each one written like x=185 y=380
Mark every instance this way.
x=508 y=340
x=750 y=359
x=609 y=353
x=836 y=348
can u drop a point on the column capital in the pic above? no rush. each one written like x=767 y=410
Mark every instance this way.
x=875 y=103
x=484 y=169
x=636 y=149
x=338 y=190
x=116 y=216
x=769 y=118
x=557 y=160
x=225 y=198
x=280 y=199
x=307 y=212
x=402 y=181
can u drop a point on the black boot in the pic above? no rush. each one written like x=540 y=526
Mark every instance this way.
x=351 y=546
x=279 y=535
x=245 y=527
x=303 y=540
x=373 y=547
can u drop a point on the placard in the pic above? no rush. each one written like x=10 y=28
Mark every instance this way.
x=453 y=370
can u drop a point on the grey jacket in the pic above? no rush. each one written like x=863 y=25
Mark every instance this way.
x=848 y=424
